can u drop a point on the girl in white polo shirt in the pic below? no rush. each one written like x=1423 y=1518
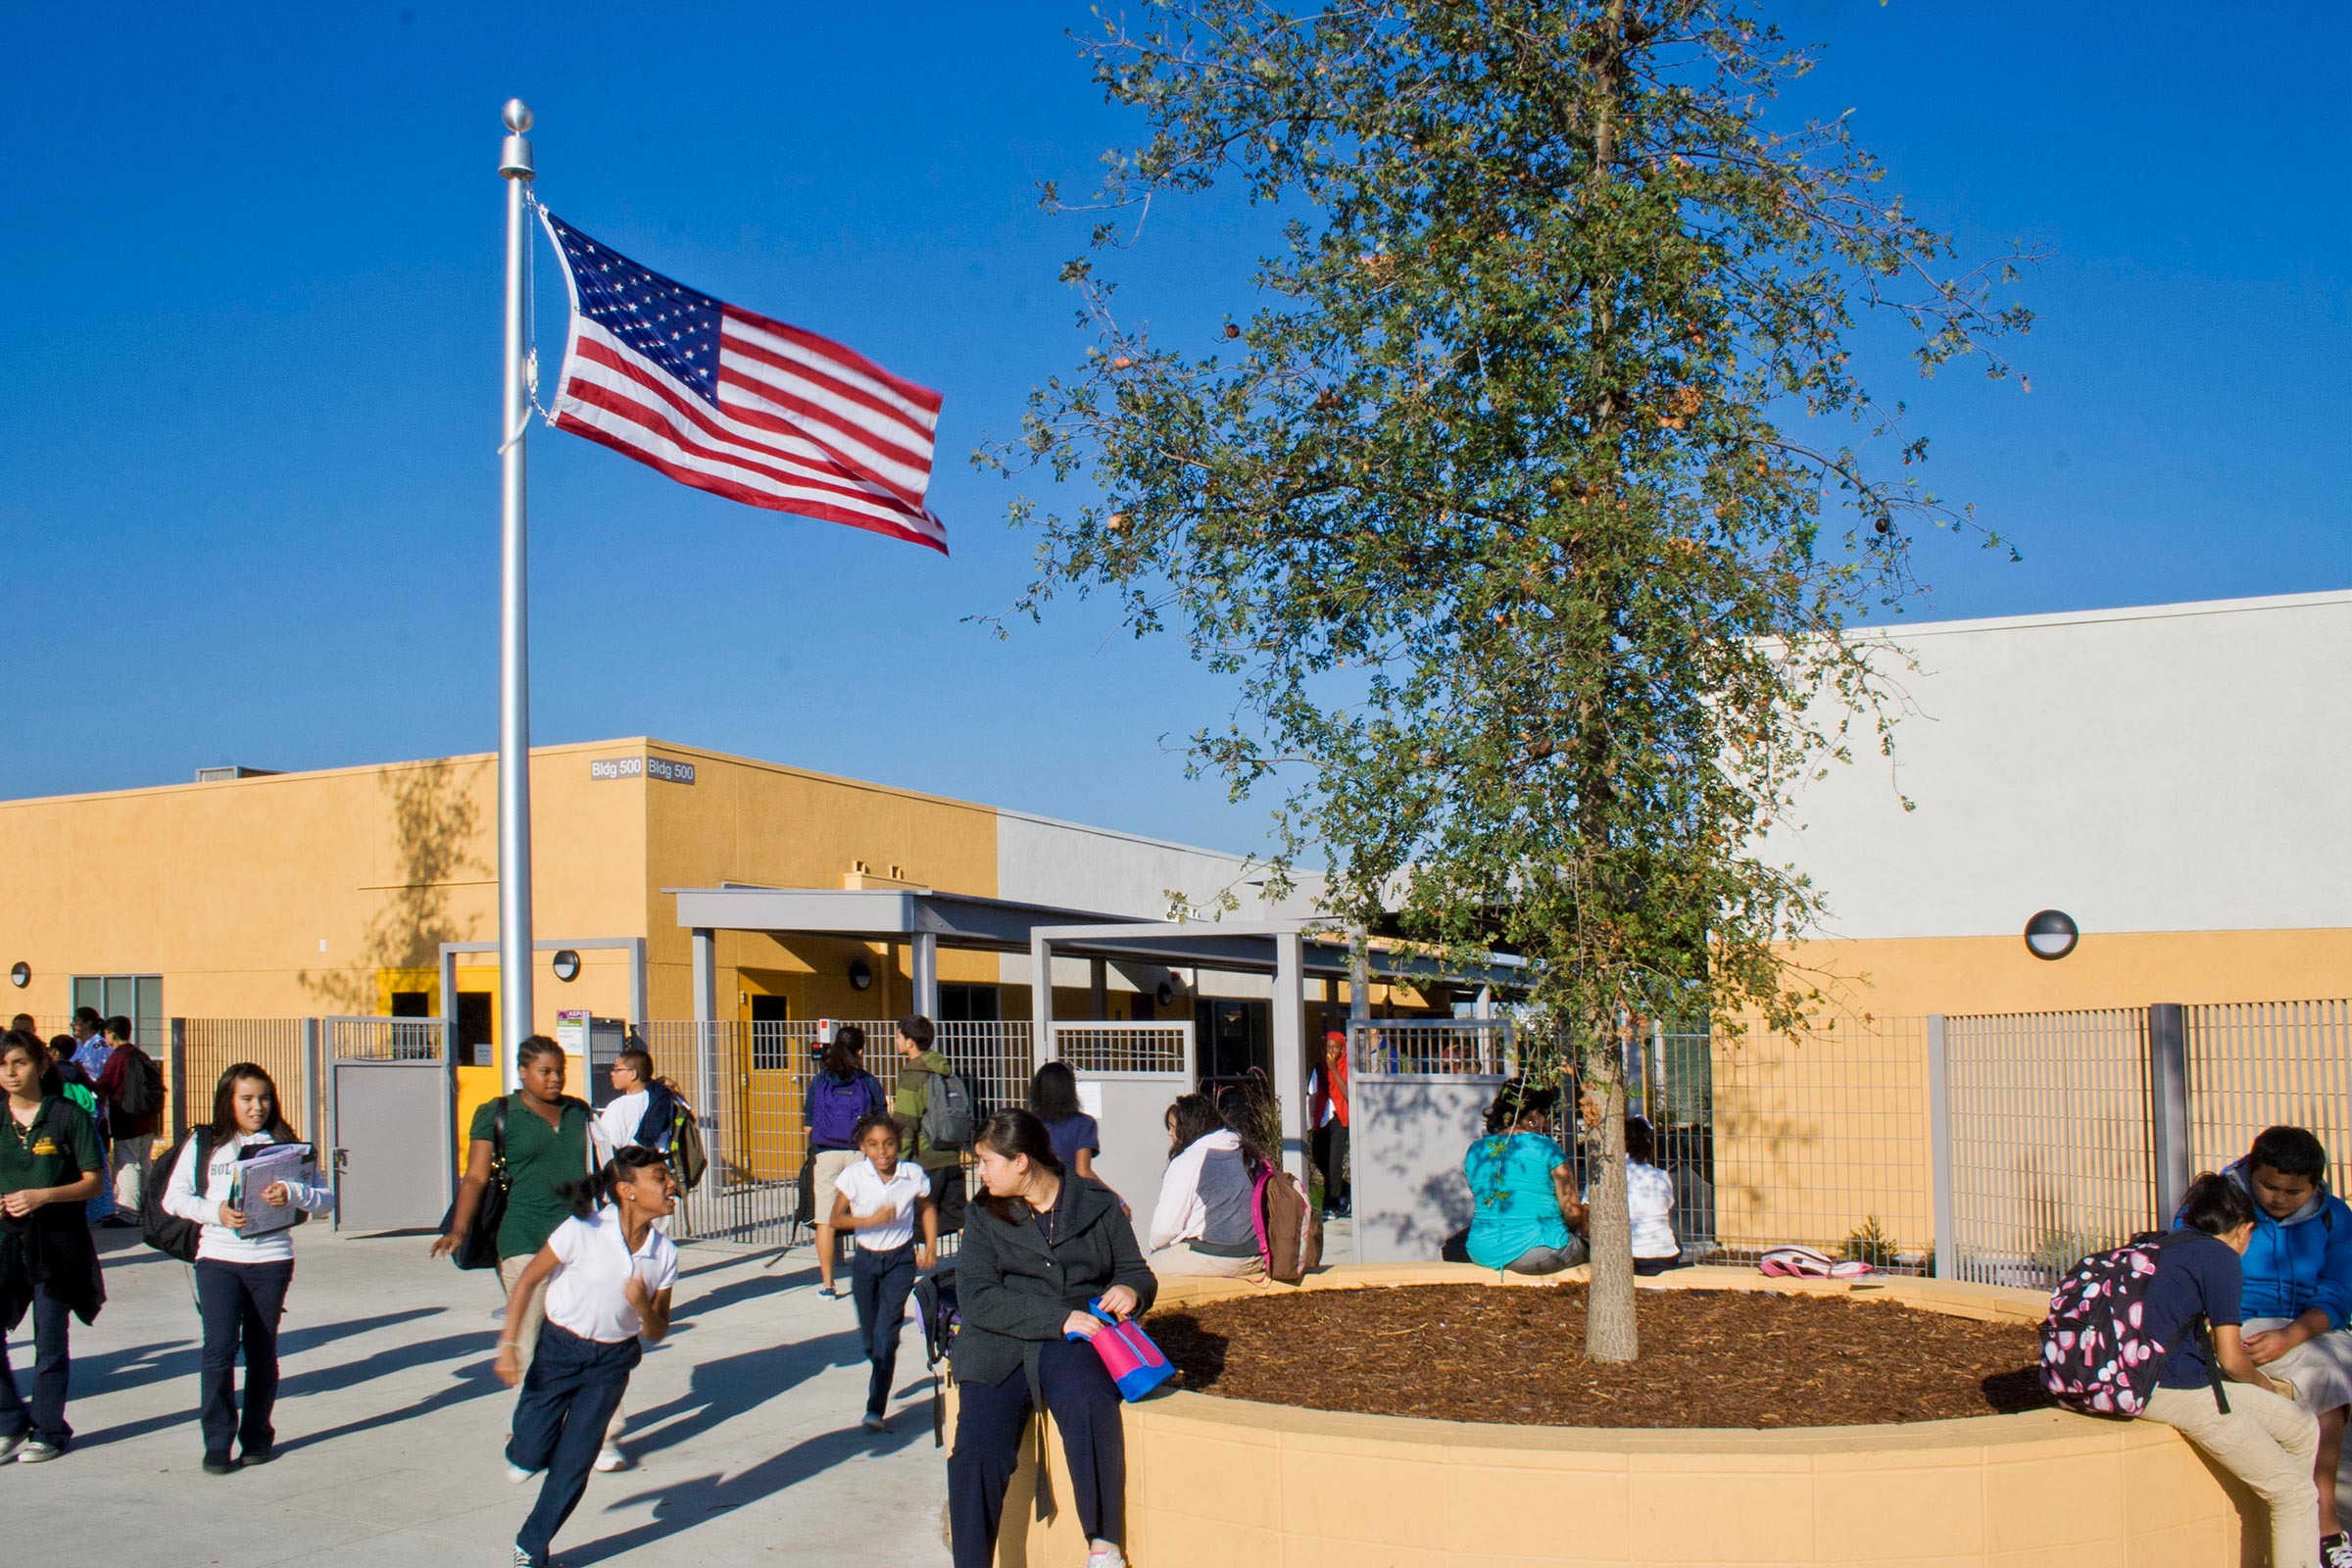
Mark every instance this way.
x=608 y=1276
x=878 y=1201
x=241 y=1282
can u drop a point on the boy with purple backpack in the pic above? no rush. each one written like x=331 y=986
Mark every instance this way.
x=2150 y=1329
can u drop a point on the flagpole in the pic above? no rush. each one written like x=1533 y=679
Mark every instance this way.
x=513 y=629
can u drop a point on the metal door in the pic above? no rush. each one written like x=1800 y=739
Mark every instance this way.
x=394 y=1115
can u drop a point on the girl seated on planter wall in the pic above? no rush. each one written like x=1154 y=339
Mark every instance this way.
x=1202 y=1224
x=1527 y=1211
x=1649 y=1198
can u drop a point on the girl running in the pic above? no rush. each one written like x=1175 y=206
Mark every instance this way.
x=878 y=1201
x=608 y=1275
x=241 y=1282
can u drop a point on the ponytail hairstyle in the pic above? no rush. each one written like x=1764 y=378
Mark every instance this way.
x=2216 y=1206
x=224 y=1104
x=1517 y=1101
x=838 y=1061
x=592 y=1193
x=1013 y=1135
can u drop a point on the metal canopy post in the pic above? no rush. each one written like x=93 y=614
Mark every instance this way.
x=1289 y=1049
x=924 y=960
x=706 y=1052
x=1041 y=998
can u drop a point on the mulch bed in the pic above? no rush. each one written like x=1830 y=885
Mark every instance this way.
x=1709 y=1358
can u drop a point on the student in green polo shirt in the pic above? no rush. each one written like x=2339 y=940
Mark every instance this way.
x=549 y=1139
x=50 y=1165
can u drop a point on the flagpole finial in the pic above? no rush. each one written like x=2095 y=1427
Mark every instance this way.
x=514 y=156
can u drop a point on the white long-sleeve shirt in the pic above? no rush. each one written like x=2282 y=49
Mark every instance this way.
x=1182 y=1214
x=218 y=1242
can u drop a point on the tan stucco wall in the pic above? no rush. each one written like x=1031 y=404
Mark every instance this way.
x=1242 y=1484
x=229 y=889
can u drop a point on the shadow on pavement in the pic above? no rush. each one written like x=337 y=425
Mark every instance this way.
x=719 y=1390
x=112 y=1371
x=681 y=1505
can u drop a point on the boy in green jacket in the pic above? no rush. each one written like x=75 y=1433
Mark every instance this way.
x=918 y=1066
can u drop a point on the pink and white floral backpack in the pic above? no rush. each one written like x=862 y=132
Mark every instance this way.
x=2096 y=1356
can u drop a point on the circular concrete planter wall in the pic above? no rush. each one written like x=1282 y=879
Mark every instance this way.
x=1215 y=1482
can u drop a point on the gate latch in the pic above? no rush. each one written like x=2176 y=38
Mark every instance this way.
x=342 y=1160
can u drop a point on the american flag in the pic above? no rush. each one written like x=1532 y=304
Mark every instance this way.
x=738 y=405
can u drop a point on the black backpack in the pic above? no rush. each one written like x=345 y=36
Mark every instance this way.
x=168 y=1233
x=142 y=1085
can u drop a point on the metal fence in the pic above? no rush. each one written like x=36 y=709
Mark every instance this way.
x=1821 y=1137
x=201 y=1049
x=2051 y=1156
x=1124 y=1047
x=2255 y=1064
x=1407 y=1048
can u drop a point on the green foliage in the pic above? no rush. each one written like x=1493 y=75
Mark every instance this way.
x=1530 y=488
x=1868 y=1244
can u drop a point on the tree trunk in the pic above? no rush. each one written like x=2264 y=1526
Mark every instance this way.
x=1611 y=1334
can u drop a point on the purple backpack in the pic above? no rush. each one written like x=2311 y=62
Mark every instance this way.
x=835 y=1109
x=2094 y=1356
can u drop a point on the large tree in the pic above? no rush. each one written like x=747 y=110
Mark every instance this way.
x=1531 y=500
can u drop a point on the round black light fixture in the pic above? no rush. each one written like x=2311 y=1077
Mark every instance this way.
x=861 y=975
x=567 y=965
x=20 y=974
x=1165 y=993
x=2052 y=934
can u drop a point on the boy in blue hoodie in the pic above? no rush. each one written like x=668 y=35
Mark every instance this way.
x=2298 y=1295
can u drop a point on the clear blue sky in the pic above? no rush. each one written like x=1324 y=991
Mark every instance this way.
x=249 y=364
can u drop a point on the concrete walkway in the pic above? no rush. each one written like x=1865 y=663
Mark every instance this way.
x=743 y=1428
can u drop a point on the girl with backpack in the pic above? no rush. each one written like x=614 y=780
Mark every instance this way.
x=1040 y=1243
x=603 y=1278
x=1203 y=1223
x=878 y=1200
x=241 y=1282
x=2189 y=1308
x=841 y=1097
x=51 y=1164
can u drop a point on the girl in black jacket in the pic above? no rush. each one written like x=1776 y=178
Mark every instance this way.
x=1037 y=1247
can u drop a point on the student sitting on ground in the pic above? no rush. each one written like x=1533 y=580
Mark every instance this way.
x=2298 y=1291
x=1201 y=1224
x=1649 y=1199
x=1526 y=1212
x=2264 y=1438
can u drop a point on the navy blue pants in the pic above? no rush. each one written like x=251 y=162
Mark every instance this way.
x=993 y=1422
x=44 y=1418
x=569 y=1398
x=240 y=1304
x=879 y=1283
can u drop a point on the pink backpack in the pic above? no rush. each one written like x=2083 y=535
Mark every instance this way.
x=1289 y=1233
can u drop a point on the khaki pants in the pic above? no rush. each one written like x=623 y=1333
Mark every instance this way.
x=1185 y=1259
x=2266 y=1442
x=525 y=1333
x=134 y=1168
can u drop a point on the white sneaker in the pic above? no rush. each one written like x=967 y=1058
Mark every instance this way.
x=875 y=1422
x=610 y=1459
x=1108 y=1557
x=517 y=1474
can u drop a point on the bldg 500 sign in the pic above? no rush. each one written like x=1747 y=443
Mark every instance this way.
x=660 y=767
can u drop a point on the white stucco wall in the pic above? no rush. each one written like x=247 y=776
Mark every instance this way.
x=2178 y=767
x=1069 y=866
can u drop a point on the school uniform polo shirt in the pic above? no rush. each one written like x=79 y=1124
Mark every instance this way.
x=59 y=1147
x=539 y=1159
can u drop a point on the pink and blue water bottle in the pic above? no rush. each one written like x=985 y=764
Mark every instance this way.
x=1128 y=1355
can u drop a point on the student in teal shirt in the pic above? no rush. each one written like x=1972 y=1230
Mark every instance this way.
x=1527 y=1211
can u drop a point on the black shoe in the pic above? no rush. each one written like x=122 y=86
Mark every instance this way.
x=2336 y=1551
x=261 y=1455
x=218 y=1465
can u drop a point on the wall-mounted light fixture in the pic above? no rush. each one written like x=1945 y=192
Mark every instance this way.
x=20 y=974
x=861 y=974
x=567 y=965
x=1166 y=991
x=2052 y=934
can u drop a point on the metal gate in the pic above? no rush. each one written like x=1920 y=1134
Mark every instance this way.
x=392 y=1105
x=1418 y=1091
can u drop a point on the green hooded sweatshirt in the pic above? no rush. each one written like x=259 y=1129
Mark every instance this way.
x=906 y=1105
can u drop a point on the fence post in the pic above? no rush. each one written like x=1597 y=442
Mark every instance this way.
x=180 y=1077
x=1945 y=1204
x=314 y=1102
x=706 y=1055
x=2168 y=1108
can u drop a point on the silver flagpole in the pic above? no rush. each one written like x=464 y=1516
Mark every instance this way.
x=513 y=630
